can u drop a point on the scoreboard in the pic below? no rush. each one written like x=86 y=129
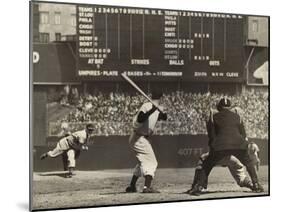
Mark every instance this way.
x=159 y=44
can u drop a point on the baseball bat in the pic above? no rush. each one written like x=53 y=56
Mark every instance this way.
x=139 y=90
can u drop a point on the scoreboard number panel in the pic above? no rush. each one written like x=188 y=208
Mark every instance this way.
x=157 y=44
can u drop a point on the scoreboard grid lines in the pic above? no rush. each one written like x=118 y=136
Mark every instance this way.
x=170 y=47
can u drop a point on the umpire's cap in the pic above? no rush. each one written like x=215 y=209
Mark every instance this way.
x=90 y=127
x=224 y=103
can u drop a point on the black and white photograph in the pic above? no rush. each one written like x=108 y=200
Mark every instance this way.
x=140 y=105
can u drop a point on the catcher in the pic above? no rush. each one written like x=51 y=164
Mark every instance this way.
x=71 y=146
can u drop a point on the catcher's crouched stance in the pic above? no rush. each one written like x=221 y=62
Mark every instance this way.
x=144 y=123
x=70 y=147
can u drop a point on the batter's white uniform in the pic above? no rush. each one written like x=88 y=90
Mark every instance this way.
x=140 y=144
x=70 y=144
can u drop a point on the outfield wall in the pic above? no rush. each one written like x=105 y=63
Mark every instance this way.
x=113 y=152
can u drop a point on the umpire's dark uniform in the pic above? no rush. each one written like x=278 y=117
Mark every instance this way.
x=229 y=138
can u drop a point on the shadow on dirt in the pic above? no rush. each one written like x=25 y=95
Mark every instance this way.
x=58 y=174
x=117 y=192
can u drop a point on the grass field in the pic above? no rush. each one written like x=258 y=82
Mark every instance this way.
x=106 y=187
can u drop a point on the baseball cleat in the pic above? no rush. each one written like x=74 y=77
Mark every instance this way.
x=257 y=188
x=131 y=189
x=43 y=156
x=150 y=190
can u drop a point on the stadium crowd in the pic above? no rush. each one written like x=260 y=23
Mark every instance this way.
x=112 y=114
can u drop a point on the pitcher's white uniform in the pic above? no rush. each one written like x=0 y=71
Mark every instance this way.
x=140 y=144
x=70 y=144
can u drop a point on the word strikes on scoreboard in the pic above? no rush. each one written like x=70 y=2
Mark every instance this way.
x=158 y=44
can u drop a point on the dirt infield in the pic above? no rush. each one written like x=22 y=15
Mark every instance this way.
x=106 y=187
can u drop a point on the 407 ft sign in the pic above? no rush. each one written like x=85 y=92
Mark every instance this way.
x=186 y=152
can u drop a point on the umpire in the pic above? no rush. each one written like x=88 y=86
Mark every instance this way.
x=229 y=138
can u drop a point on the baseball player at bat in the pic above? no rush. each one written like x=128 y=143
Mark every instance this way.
x=143 y=126
x=71 y=146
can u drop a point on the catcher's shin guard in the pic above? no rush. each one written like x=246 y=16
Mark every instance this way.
x=253 y=173
x=246 y=183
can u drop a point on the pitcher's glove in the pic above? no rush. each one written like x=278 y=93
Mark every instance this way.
x=253 y=152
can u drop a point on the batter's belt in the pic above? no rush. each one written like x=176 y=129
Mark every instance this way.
x=135 y=136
